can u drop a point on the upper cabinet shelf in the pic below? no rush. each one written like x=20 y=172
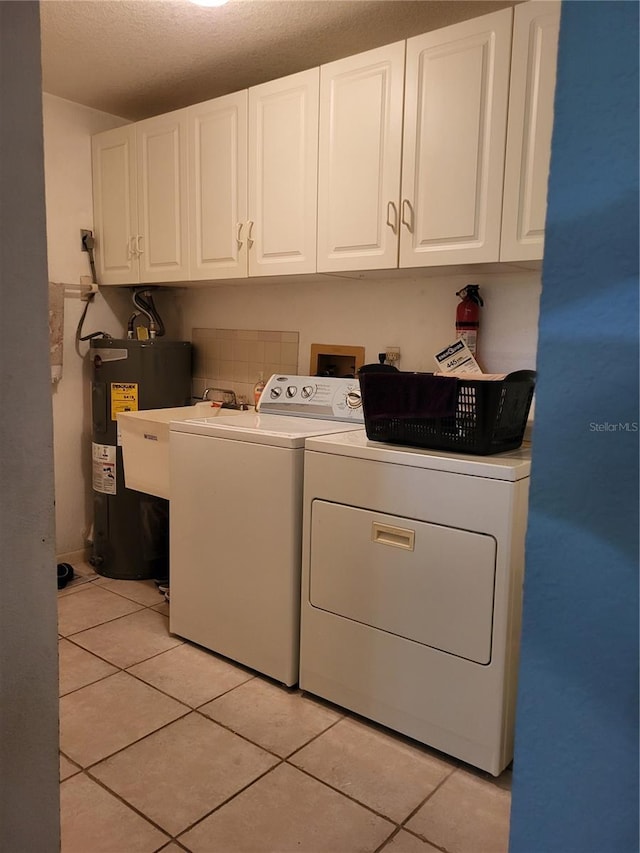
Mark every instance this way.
x=391 y=158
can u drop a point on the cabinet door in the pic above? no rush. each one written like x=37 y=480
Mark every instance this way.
x=283 y=172
x=359 y=160
x=456 y=93
x=533 y=80
x=114 y=204
x=162 y=197
x=218 y=187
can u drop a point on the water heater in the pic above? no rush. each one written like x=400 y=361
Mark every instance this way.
x=131 y=529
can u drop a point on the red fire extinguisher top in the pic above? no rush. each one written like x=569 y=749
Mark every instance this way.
x=471 y=292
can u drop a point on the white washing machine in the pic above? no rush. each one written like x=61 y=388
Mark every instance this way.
x=412 y=570
x=236 y=520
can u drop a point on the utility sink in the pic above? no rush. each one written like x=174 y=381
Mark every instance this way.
x=144 y=437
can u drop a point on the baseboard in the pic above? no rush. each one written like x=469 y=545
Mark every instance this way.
x=79 y=556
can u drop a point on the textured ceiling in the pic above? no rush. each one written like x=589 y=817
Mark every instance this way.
x=138 y=58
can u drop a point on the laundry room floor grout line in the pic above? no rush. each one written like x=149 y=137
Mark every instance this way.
x=246 y=793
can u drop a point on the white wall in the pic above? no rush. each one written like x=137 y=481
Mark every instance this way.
x=67 y=159
x=416 y=313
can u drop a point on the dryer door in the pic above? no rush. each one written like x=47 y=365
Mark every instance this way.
x=425 y=582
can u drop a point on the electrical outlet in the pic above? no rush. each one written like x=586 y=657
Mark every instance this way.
x=87 y=288
x=392 y=354
x=84 y=233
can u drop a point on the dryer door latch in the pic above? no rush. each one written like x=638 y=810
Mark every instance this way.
x=398 y=537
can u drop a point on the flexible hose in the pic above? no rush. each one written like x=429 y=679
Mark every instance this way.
x=143 y=300
x=131 y=323
x=143 y=309
x=89 y=243
x=92 y=262
x=79 y=335
x=161 y=329
x=151 y=305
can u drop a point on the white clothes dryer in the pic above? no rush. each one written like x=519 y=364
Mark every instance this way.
x=236 y=520
x=412 y=569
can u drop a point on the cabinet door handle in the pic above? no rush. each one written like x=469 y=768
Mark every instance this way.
x=131 y=252
x=406 y=205
x=139 y=251
x=238 y=233
x=397 y=537
x=391 y=206
x=249 y=240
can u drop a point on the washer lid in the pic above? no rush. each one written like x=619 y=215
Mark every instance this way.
x=514 y=465
x=275 y=430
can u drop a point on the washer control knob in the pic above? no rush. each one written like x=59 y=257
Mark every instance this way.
x=275 y=393
x=307 y=391
x=354 y=399
x=291 y=391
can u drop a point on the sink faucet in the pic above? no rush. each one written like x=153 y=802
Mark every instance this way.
x=229 y=399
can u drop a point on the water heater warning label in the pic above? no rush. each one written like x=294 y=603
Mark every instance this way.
x=104 y=468
x=124 y=398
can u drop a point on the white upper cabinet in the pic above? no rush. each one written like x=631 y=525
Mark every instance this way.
x=359 y=160
x=115 y=205
x=283 y=172
x=391 y=158
x=533 y=77
x=456 y=94
x=162 y=242
x=218 y=187
x=140 y=201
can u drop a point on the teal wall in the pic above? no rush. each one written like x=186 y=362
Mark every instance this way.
x=575 y=787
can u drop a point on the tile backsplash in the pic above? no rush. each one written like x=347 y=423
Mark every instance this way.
x=235 y=358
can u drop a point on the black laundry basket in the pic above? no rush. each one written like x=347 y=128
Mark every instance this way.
x=479 y=416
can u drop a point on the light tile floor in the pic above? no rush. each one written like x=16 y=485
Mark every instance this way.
x=165 y=746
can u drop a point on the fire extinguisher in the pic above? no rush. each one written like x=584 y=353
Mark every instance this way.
x=468 y=316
